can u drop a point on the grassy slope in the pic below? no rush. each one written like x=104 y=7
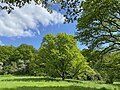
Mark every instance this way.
x=42 y=83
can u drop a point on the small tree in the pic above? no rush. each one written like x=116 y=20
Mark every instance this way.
x=26 y=55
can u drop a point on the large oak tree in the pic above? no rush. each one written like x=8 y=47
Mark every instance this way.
x=62 y=57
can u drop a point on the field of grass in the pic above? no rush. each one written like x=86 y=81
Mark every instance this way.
x=46 y=83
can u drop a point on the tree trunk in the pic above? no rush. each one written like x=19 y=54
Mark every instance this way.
x=63 y=77
x=62 y=69
x=109 y=81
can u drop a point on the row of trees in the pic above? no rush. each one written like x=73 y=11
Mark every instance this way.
x=107 y=67
x=59 y=56
x=15 y=60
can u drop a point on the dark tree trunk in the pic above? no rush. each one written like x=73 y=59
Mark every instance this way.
x=62 y=70
x=109 y=81
x=63 y=77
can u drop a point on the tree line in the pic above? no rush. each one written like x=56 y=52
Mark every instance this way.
x=59 y=56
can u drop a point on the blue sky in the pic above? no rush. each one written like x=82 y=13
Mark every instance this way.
x=30 y=24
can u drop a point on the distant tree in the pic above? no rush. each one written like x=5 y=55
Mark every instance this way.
x=91 y=56
x=62 y=57
x=7 y=58
x=16 y=60
x=26 y=51
x=109 y=67
x=5 y=53
x=10 y=68
x=26 y=56
x=37 y=66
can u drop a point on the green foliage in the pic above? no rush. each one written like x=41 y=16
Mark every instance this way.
x=37 y=66
x=7 y=58
x=65 y=5
x=26 y=51
x=26 y=57
x=16 y=60
x=6 y=52
x=98 y=28
x=99 y=24
x=10 y=68
x=58 y=56
x=109 y=67
x=91 y=56
x=62 y=57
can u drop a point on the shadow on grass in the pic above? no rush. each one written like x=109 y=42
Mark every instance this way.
x=118 y=85
x=41 y=79
x=55 y=88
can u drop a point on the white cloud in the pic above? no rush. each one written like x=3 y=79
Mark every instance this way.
x=24 y=21
x=1 y=43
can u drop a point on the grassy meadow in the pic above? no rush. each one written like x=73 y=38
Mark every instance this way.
x=47 y=83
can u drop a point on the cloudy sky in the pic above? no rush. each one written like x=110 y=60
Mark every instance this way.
x=29 y=24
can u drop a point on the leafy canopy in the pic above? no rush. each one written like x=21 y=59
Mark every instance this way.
x=99 y=25
x=62 y=56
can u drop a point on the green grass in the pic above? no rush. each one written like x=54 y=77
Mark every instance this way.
x=46 y=83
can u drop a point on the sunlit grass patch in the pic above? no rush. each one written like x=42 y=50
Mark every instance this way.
x=47 y=83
